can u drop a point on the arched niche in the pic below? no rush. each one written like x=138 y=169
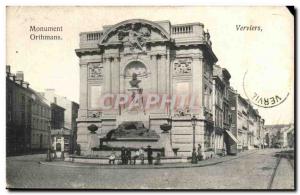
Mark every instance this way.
x=142 y=72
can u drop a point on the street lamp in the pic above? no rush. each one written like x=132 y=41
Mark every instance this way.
x=49 y=144
x=194 y=155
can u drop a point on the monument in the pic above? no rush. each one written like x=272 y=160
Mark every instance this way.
x=145 y=75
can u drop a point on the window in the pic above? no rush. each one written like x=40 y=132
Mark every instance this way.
x=8 y=116
x=23 y=102
x=210 y=100
x=220 y=118
x=22 y=117
x=37 y=124
x=205 y=96
x=22 y=99
x=9 y=99
x=33 y=123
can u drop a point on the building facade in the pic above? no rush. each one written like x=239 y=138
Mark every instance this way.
x=252 y=126
x=41 y=118
x=246 y=125
x=140 y=58
x=27 y=116
x=168 y=59
x=70 y=116
x=221 y=85
x=280 y=135
x=60 y=137
x=218 y=109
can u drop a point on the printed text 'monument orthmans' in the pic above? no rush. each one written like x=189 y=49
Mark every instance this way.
x=45 y=28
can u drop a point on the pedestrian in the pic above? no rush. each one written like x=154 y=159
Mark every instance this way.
x=123 y=155
x=54 y=153
x=149 y=155
x=136 y=156
x=112 y=158
x=142 y=155
x=128 y=156
x=157 y=161
x=199 y=151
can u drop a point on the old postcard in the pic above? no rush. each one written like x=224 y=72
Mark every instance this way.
x=150 y=98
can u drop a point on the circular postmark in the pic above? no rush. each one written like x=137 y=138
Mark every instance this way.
x=268 y=91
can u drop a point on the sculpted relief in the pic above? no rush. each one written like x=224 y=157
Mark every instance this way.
x=183 y=66
x=94 y=114
x=95 y=70
x=134 y=37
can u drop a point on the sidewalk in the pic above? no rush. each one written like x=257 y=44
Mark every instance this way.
x=204 y=163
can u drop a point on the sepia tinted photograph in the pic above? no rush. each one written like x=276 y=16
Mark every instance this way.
x=150 y=98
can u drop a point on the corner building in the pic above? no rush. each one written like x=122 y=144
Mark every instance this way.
x=168 y=59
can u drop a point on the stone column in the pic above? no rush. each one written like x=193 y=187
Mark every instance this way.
x=154 y=73
x=115 y=70
x=168 y=73
x=197 y=82
x=107 y=75
x=83 y=97
x=115 y=78
x=162 y=75
x=82 y=115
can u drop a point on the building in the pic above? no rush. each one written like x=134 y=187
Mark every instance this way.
x=239 y=121
x=252 y=127
x=290 y=138
x=259 y=133
x=166 y=59
x=27 y=117
x=70 y=116
x=41 y=118
x=221 y=85
x=57 y=116
x=60 y=136
x=246 y=125
x=280 y=135
x=226 y=108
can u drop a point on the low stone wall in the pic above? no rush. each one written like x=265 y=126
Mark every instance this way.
x=104 y=160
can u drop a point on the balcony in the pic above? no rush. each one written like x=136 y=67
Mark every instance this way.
x=90 y=39
x=182 y=29
x=193 y=32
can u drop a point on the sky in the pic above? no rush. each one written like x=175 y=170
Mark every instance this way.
x=267 y=56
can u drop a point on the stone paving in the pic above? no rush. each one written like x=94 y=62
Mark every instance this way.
x=283 y=175
x=252 y=171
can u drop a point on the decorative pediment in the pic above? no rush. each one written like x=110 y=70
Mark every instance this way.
x=134 y=35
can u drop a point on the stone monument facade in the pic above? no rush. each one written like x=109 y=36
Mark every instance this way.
x=166 y=60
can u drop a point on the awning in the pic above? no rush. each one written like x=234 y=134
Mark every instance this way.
x=232 y=137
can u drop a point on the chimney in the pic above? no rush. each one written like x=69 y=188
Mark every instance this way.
x=12 y=77
x=20 y=76
x=25 y=84
x=8 y=69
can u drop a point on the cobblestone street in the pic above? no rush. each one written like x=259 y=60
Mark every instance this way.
x=253 y=171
